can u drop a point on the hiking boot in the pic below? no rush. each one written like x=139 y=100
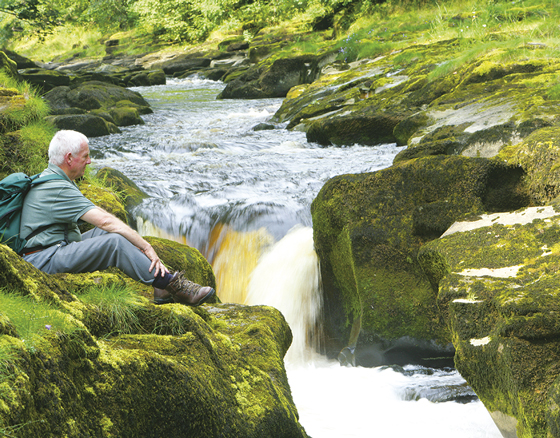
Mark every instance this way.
x=186 y=292
x=161 y=296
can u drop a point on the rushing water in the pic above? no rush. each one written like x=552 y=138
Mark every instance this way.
x=242 y=197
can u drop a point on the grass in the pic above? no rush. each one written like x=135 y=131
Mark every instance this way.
x=34 y=320
x=119 y=303
x=65 y=42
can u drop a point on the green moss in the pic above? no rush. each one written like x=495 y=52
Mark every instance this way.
x=105 y=198
x=504 y=329
x=173 y=372
x=539 y=156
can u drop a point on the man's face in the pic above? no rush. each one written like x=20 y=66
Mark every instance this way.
x=79 y=161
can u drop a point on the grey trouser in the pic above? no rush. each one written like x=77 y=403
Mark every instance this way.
x=98 y=250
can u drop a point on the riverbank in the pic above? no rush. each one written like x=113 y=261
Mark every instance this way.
x=473 y=96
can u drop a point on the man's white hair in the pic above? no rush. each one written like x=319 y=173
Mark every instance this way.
x=63 y=142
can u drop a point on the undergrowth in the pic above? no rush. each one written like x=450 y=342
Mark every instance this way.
x=120 y=304
x=33 y=319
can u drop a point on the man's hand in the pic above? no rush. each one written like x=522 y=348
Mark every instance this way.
x=156 y=262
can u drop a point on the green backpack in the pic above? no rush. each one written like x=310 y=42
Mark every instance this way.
x=13 y=189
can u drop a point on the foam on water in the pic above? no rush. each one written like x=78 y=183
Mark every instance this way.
x=335 y=401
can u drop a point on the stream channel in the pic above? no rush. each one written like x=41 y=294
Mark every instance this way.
x=242 y=197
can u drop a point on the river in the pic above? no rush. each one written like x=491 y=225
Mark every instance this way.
x=242 y=197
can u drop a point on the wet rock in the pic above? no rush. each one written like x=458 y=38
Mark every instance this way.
x=182 y=65
x=274 y=80
x=263 y=127
x=497 y=285
x=367 y=231
x=45 y=79
x=88 y=124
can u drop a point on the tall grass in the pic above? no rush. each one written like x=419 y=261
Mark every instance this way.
x=120 y=304
x=34 y=320
x=65 y=42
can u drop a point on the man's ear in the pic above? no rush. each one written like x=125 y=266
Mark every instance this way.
x=68 y=157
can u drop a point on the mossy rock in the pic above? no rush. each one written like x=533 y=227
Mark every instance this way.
x=88 y=124
x=355 y=128
x=45 y=79
x=92 y=95
x=126 y=116
x=274 y=80
x=140 y=108
x=21 y=61
x=497 y=103
x=123 y=185
x=497 y=282
x=183 y=63
x=156 y=77
x=145 y=78
x=104 y=198
x=9 y=66
x=539 y=156
x=104 y=114
x=367 y=230
x=177 y=370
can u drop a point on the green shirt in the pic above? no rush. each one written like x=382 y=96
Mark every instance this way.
x=57 y=202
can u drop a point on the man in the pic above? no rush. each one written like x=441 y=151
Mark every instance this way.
x=58 y=205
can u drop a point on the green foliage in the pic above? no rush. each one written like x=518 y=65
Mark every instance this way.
x=25 y=110
x=34 y=320
x=109 y=14
x=33 y=146
x=179 y=20
x=40 y=15
x=119 y=304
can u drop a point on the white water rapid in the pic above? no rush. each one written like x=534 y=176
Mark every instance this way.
x=242 y=197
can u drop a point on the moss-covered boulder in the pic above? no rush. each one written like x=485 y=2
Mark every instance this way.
x=89 y=365
x=123 y=105
x=126 y=116
x=497 y=282
x=105 y=198
x=367 y=231
x=132 y=195
x=44 y=79
x=9 y=66
x=539 y=156
x=273 y=79
x=92 y=95
x=90 y=125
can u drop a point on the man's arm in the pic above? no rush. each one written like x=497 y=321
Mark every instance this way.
x=108 y=222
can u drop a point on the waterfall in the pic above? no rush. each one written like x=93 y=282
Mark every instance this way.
x=287 y=277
